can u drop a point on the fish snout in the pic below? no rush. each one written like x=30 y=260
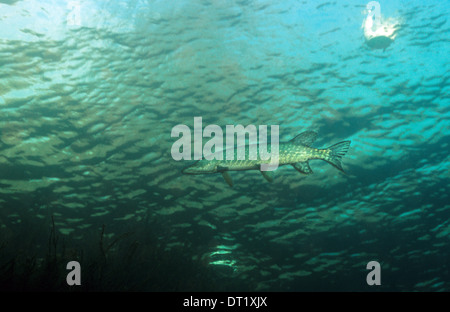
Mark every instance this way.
x=199 y=168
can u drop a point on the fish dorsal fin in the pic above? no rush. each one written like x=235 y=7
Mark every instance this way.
x=303 y=167
x=305 y=138
x=227 y=178
x=268 y=175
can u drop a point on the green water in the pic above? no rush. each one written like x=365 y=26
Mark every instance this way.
x=88 y=99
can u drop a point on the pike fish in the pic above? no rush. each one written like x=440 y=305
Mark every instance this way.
x=296 y=152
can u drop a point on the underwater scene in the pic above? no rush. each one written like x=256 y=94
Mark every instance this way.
x=107 y=109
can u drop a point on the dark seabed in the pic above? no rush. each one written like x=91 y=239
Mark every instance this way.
x=89 y=94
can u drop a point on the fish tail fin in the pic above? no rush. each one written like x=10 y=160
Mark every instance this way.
x=337 y=151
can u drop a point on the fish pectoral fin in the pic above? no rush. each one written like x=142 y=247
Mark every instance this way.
x=303 y=167
x=227 y=178
x=268 y=175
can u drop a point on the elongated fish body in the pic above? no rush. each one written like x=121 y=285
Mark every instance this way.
x=296 y=152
